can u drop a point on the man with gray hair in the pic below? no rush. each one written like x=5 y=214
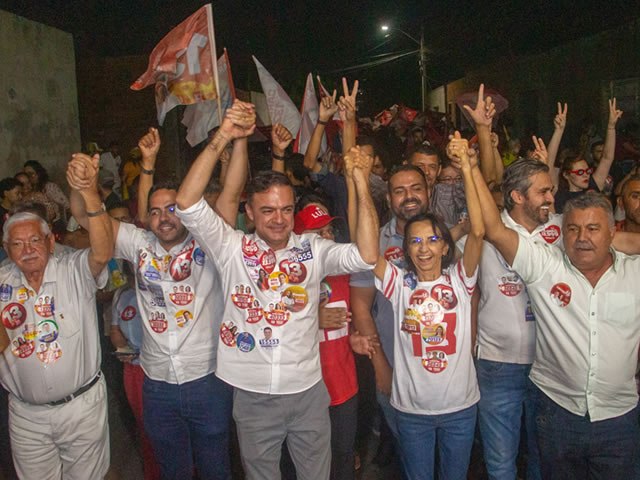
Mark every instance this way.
x=57 y=403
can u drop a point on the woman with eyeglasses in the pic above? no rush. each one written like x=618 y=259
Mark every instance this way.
x=577 y=177
x=435 y=390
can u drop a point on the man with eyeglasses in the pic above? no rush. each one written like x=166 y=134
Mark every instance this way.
x=184 y=403
x=57 y=404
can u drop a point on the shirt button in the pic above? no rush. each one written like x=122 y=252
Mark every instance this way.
x=593 y=354
x=593 y=313
x=589 y=393
x=593 y=333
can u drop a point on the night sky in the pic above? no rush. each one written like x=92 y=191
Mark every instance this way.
x=292 y=38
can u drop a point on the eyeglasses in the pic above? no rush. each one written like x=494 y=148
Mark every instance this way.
x=432 y=240
x=33 y=242
x=170 y=210
x=457 y=179
x=582 y=171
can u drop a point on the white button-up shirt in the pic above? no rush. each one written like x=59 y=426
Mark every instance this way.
x=180 y=304
x=269 y=336
x=54 y=347
x=588 y=337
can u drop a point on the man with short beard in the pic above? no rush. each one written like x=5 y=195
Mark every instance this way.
x=407 y=196
x=629 y=199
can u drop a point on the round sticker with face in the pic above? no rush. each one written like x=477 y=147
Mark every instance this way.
x=255 y=313
x=181 y=295
x=180 y=268
x=394 y=255
x=22 y=348
x=561 y=294
x=48 y=353
x=268 y=340
x=183 y=317
x=510 y=284
x=158 y=322
x=22 y=295
x=444 y=295
x=276 y=315
x=29 y=331
x=296 y=271
x=13 y=315
x=47 y=331
x=419 y=296
x=277 y=280
x=434 y=334
x=435 y=361
x=431 y=312
x=294 y=298
x=44 y=306
x=242 y=296
x=198 y=256
x=245 y=342
x=228 y=333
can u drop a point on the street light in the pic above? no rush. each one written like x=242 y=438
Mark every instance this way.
x=423 y=58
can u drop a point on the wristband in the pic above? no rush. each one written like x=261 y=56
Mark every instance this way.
x=278 y=157
x=148 y=172
x=97 y=213
x=322 y=122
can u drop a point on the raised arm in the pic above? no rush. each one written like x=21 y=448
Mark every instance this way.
x=149 y=146
x=608 y=152
x=228 y=201
x=482 y=115
x=280 y=140
x=347 y=108
x=239 y=122
x=82 y=174
x=327 y=109
x=559 y=123
x=497 y=158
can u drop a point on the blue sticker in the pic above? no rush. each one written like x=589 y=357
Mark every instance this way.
x=198 y=256
x=528 y=313
x=5 y=292
x=245 y=342
x=410 y=280
x=151 y=273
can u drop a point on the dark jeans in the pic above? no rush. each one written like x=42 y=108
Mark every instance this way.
x=189 y=423
x=574 y=447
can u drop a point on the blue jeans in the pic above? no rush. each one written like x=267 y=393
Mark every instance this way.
x=574 y=447
x=451 y=432
x=506 y=392
x=187 y=423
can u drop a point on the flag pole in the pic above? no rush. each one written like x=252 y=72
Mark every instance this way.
x=214 y=60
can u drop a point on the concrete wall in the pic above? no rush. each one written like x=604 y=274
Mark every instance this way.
x=38 y=99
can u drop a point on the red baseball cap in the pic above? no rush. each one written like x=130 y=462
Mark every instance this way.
x=311 y=217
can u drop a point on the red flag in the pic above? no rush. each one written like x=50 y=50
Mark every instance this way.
x=182 y=65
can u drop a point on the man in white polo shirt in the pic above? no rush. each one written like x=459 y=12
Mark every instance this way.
x=588 y=332
x=57 y=403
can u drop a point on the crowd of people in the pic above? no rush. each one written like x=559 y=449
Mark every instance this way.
x=480 y=285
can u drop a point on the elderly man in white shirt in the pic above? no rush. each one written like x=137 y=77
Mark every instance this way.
x=57 y=404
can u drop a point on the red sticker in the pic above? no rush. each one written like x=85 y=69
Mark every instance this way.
x=181 y=295
x=561 y=294
x=180 y=268
x=435 y=362
x=158 y=322
x=22 y=348
x=255 y=313
x=268 y=261
x=128 y=313
x=551 y=234
x=445 y=296
x=228 y=334
x=394 y=255
x=418 y=297
x=44 y=306
x=249 y=247
x=13 y=315
x=242 y=297
x=277 y=315
x=296 y=271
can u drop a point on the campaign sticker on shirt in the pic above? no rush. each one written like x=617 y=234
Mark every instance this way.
x=296 y=271
x=435 y=361
x=140 y=280
x=22 y=348
x=128 y=313
x=528 y=313
x=13 y=315
x=410 y=280
x=510 y=284
x=180 y=268
x=325 y=292
x=5 y=292
x=262 y=280
x=255 y=313
x=434 y=334
x=22 y=294
x=561 y=294
x=183 y=317
x=198 y=256
x=411 y=321
x=551 y=234
x=431 y=312
x=268 y=260
x=267 y=340
x=151 y=273
x=47 y=331
x=245 y=342
x=276 y=314
x=394 y=255
x=158 y=322
x=277 y=280
x=249 y=247
x=242 y=296
x=302 y=253
x=228 y=333
x=419 y=296
x=29 y=331
x=294 y=298
x=445 y=296
x=49 y=352
x=251 y=262
x=44 y=306
x=181 y=295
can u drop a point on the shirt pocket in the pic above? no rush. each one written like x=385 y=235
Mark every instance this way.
x=620 y=309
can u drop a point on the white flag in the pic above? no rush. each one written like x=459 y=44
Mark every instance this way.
x=310 y=112
x=281 y=108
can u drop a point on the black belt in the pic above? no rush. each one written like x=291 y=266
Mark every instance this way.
x=77 y=393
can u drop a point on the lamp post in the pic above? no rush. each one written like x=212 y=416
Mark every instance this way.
x=422 y=64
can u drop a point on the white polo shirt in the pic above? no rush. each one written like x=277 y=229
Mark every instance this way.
x=433 y=372
x=180 y=303
x=54 y=347
x=269 y=336
x=506 y=323
x=587 y=339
